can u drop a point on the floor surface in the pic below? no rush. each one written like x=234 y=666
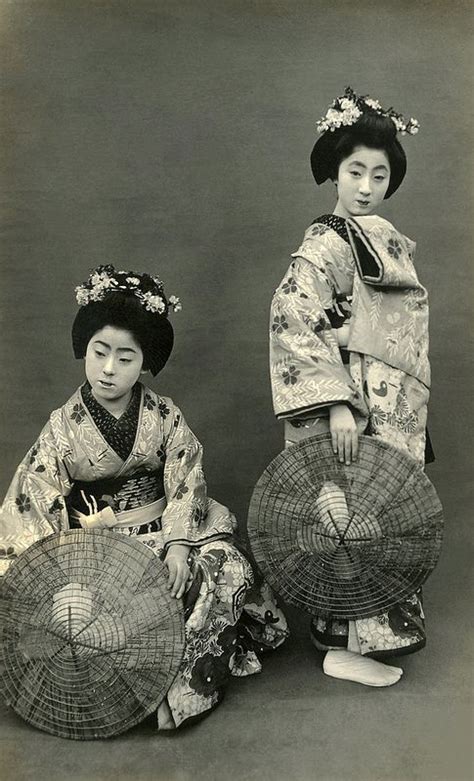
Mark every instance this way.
x=292 y=722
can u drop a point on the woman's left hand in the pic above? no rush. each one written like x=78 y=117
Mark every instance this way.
x=342 y=335
x=176 y=560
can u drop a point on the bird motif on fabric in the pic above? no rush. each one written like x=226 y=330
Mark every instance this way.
x=382 y=390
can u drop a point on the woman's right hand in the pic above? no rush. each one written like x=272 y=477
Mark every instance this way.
x=179 y=572
x=344 y=434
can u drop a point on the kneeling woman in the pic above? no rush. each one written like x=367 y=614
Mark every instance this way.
x=117 y=455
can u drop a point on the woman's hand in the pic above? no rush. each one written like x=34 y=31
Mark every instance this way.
x=343 y=428
x=342 y=335
x=176 y=560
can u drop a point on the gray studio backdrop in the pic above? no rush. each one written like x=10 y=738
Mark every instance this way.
x=173 y=137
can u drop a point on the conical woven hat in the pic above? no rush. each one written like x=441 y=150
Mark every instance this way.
x=347 y=541
x=91 y=638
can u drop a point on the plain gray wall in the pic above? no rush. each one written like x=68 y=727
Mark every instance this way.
x=174 y=137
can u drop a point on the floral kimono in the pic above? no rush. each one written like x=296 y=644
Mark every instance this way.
x=145 y=473
x=358 y=274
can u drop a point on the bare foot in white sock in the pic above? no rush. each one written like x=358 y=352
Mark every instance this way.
x=354 y=667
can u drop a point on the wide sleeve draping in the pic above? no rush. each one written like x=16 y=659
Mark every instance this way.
x=306 y=367
x=390 y=306
x=34 y=505
x=190 y=517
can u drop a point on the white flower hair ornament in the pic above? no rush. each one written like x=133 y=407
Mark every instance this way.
x=149 y=290
x=346 y=110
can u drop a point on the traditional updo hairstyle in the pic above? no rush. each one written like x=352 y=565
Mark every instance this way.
x=373 y=130
x=132 y=302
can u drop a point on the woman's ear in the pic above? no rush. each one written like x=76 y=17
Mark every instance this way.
x=143 y=371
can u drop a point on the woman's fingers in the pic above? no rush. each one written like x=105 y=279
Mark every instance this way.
x=182 y=587
x=178 y=577
x=172 y=572
x=340 y=445
x=346 y=445
x=334 y=442
x=347 y=448
x=179 y=583
x=355 y=445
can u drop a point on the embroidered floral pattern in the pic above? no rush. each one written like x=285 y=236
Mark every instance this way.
x=394 y=248
x=23 y=503
x=56 y=507
x=378 y=414
x=289 y=286
x=318 y=229
x=181 y=490
x=8 y=553
x=33 y=453
x=148 y=402
x=163 y=409
x=290 y=377
x=78 y=413
x=280 y=324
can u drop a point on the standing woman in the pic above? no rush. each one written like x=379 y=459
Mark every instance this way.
x=349 y=345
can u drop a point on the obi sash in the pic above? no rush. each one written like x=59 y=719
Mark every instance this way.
x=136 y=501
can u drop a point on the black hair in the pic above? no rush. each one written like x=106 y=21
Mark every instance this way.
x=152 y=331
x=372 y=130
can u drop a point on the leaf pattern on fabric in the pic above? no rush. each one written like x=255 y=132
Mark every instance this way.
x=305 y=362
x=396 y=305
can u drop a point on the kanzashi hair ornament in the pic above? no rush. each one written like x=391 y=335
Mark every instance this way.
x=346 y=109
x=149 y=290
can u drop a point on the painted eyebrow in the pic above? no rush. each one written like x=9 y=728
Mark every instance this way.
x=377 y=167
x=119 y=349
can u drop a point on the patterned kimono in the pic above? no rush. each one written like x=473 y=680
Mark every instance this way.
x=358 y=275
x=145 y=472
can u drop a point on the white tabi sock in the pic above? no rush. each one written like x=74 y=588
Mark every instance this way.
x=353 y=667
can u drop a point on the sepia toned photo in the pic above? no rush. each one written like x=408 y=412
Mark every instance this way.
x=235 y=297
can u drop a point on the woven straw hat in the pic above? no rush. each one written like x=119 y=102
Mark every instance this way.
x=92 y=639
x=347 y=541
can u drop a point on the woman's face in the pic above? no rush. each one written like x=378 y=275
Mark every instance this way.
x=114 y=362
x=362 y=182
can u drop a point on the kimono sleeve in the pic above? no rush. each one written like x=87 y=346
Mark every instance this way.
x=383 y=256
x=190 y=518
x=390 y=312
x=34 y=505
x=306 y=367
